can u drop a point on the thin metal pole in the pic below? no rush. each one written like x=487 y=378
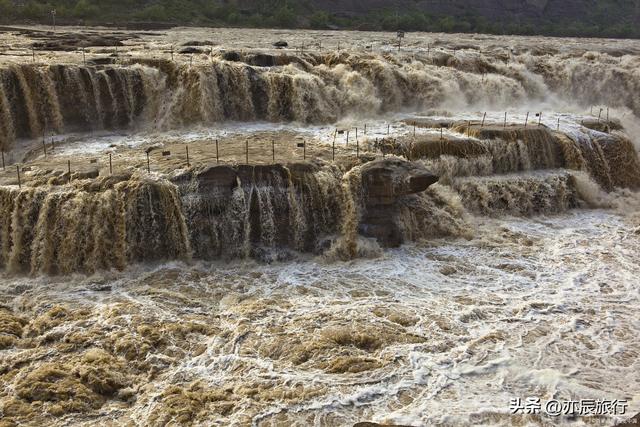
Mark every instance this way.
x=110 y=165
x=469 y=129
x=304 y=150
x=365 y=128
x=44 y=131
x=414 y=129
x=69 y=169
x=148 y=163
x=526 y=120
x=347 y=138
x=505 y=119
x=246 y=143
x=273 y=150
x=357 y=149
x=217 y=154
x=19 y=182
x=33 y=54
x=333 y=151
x=388 y=127
x=356 y=134
x=483 y=117
x=558 y=123
x=171 y=53
x=188 y=163
x=440 y=134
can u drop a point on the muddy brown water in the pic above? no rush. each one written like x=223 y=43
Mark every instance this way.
x=142 y=299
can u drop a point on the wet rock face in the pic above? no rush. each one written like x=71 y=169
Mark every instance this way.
x=250 y=211
x=603 y=125
x=261 y=211
x=232 y=56
x=255 y=59
x=71 y=41
x=386 y=180
x=222 y=180
x=190 y=50
x=384 y=183
x=262 y=60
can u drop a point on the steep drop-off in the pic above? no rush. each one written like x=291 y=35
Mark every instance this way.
x=305 y=88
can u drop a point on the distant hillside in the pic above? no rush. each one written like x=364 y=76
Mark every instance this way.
x=605 y=18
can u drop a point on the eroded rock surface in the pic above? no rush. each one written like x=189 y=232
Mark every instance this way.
x=384 y=183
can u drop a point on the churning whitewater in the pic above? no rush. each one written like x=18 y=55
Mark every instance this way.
x=198 y=232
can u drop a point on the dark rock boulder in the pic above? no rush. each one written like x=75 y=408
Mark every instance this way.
x=385 y=182
x=190 y=51
x=387 y=179
x=71 y=41
x=232 y=56
x=281 y=44
x=102 y=60
x=261 y=60
x=199 y=43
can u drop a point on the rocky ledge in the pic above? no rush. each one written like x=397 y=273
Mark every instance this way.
x=385 y=182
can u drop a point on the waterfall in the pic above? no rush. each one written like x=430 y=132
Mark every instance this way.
x=310 y=88
x=609 y=158
x=68 y=229
x=260 y=211
x=273 y=212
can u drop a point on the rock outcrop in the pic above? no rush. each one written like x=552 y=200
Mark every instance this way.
x=384 y=183
x=264 y=211
x=261 y=211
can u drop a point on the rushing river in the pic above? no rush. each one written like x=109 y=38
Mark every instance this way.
x=441 y=332
x=177 y=293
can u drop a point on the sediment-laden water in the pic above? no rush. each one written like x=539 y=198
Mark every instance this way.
x=444 y=332
x=314 y=87
x=458 y=259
